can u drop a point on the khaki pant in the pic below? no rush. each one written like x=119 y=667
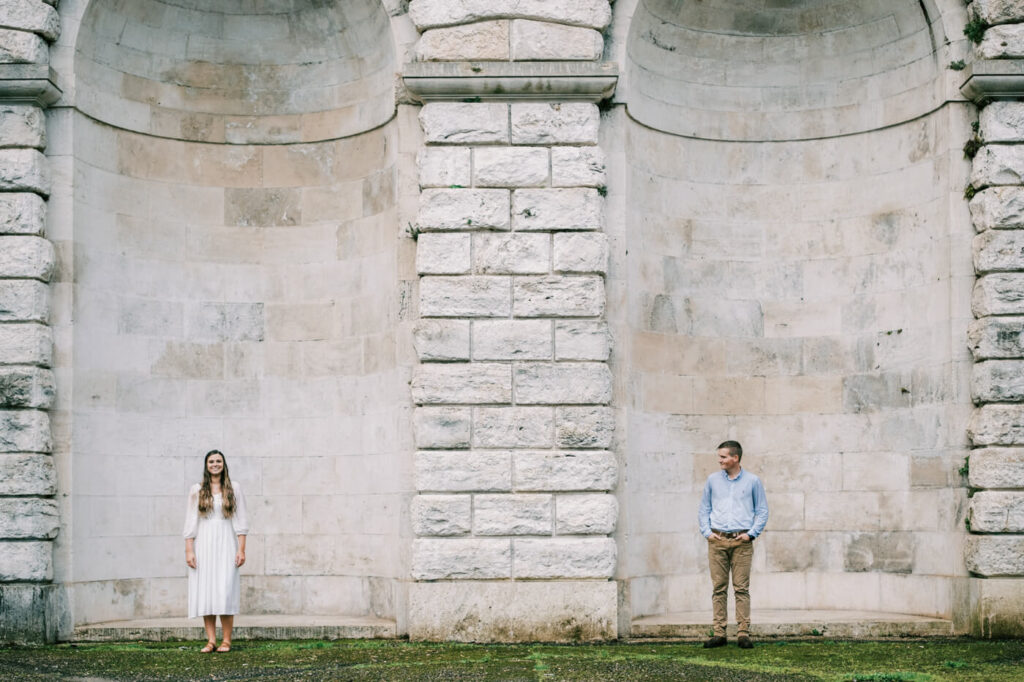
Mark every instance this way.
x=723 y=556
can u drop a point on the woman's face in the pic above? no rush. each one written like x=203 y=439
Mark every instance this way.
x=215 y=464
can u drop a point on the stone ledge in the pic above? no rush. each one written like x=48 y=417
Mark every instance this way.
x=994 y=79
x=28 y=84
x=694 y=625
x=510 y=81
x=246 y=627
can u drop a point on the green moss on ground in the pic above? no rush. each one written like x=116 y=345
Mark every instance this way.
x=901 y=661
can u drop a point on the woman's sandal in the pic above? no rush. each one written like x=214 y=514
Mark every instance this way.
x=224 y=648
x=208 y=648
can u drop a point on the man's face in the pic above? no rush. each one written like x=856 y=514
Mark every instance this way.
x=727 y=460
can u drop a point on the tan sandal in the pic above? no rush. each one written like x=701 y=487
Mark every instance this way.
x=224 y=647
x=208 y=648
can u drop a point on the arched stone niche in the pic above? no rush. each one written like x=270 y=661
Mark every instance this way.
x=235 y=248
x=797 y=276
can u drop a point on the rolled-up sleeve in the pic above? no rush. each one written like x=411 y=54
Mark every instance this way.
x=760 y=510
x=240 y=519
x=192 y=513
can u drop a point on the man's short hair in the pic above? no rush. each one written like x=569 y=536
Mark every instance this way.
x=733 y=447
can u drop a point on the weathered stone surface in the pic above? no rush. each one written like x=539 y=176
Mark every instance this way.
x=466 y=471
x=563 y=123
x=513 y=253
x=571 y=383
x=444 y=167
x=442 y=427
x=999 y=250
x=512 y=427
x=481 y=41
x=22 y=213
x=463 y=209
x=26 y=257
x=441 y=340
x=464 y=123
x=997 y=511
x=1001 y=42
x=882 y=552
x=569 y=471
x=23 y=431
x=21 y=125
x=586 y=514
x=580 y=252
x=26 y=561
x=564 y=558
x=26 y=344
x=998 y=608
x=24 y=301
x=22 y=474
x=584 y=427
x=578 y=296
x=996 y=337
x=441 y=514
x=995 y=381
x=997 y=11
x=476 y=382
x=443 y=254
x=512 y=340
x=994 y=555
x=482 y=296
x=999 y=294
x=998 y=164
x=578 y=167
x=997 y=425
x=24 y=170
x=539 y=41
x=430 y=13
x=512 y=514
x=262 y=206
x=582 y=340
x=998 y=208
x=577 y=208
x=22 y=47
x=30 y=518
x=510 y=167
x=237 y=322
x=33 y=613
x=461 y=559
x=26 y=387
x=1002 y=121
x=996 y=468
x=31 y=15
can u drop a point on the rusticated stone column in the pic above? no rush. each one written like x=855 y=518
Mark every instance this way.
x=513 y=426
x=28 y=511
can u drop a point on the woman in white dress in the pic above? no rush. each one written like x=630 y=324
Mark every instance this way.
x=214 y=519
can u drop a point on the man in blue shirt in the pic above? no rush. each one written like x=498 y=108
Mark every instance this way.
x=733 y=511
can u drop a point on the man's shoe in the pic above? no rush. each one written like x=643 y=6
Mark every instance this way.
x=744 y=642
x=715 y=642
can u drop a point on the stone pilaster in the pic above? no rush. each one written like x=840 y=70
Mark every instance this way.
x=28 y=510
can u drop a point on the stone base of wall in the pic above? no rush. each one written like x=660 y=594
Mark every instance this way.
x=997 y=607
x=564 y=611
x=31 y=614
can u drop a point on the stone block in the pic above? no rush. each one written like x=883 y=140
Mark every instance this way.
x=1001 y=121
x=461 y=559
x=584 y=427
x=481 y=296
x=998 y=164
x=465 y=123
x=24 y=301
x=476 y=382
x=585 y=514
x=24 y=431
x=463 y=209
x=23 y=170
x=21 y=125
x=564 y=471
x=574 y=208
x=564 y=558
x=512 y=340
x=441 y=340
x=997 y=425
x=996 y=511
x=443 y=254
x=262 y=206
x=997 y=607
x=574 y=296
x=999 y=294
x=26 y=561
x=30 y=518
x=447 y=472
x=555 y=123
x=22 y=474
x=998 y=11
x=996 y=337
x=542 y=41
x=33 y=613
x=995 y=555
x=999 y=250
x=1001 y=42
x=26 y=343
x=510 y=167
x=442 y=427
x=582 y=340
x=22 y=47
x=881 y=552
x=580 y=252
x=26 y=387
x=236 y=321
x=571 y=383
x=512 y=427
x=444 y=167
x=22 y=213
x=578 y=167
x=481 y=41
x=26 y=257
x=512 y=514
x=512 y=254
x=34 y=16
x=430 y=13
x=995 y=381
x=440 y=515
x=996 y=468
x=998 y=208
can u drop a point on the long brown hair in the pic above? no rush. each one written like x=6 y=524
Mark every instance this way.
x=226 y=491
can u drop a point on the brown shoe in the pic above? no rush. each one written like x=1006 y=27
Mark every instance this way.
x=715 y=642
x=744 y=642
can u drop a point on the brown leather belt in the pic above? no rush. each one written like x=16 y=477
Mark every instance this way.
x=729 y=536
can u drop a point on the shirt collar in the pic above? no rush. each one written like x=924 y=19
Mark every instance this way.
x=732 y=480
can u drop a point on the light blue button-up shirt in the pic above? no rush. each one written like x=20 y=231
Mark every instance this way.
x=733 y=505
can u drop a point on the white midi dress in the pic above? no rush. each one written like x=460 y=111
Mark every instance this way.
x=213 y=585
